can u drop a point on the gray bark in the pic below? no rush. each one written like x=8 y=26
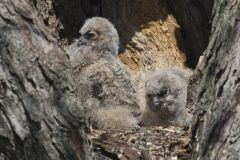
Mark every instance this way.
x=216 y=88
x=40 y=115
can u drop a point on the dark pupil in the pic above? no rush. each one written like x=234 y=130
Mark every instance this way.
x=96 y=89
x=90 y=35
x=162 y=92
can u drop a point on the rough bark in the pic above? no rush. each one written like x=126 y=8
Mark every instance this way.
x=40 y=116
x=216 y=88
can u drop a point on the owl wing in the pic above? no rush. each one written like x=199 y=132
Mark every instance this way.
x=110 y=83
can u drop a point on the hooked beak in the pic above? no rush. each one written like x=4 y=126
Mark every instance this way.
x=81 y=41
x=155 y=101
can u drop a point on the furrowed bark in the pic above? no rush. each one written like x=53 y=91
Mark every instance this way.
x=40 y=115
x=216 y=88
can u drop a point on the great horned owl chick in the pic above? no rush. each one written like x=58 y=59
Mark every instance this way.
x=165 y=98
x=105 y=85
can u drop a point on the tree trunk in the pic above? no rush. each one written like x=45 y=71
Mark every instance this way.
x=40 y=115
x=216 y=88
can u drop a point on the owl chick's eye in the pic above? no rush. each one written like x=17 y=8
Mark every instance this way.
x=95 y=89
x=91 y=35
x=162 y=92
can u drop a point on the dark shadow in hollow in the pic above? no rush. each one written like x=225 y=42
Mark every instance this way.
x=194 y=18
x=73 y=13
x=129 y=15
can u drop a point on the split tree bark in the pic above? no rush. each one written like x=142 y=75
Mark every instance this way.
x=216 y=88
x=40 y=115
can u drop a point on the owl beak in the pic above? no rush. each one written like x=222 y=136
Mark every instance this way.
x=82 y=41
x=155 y=101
